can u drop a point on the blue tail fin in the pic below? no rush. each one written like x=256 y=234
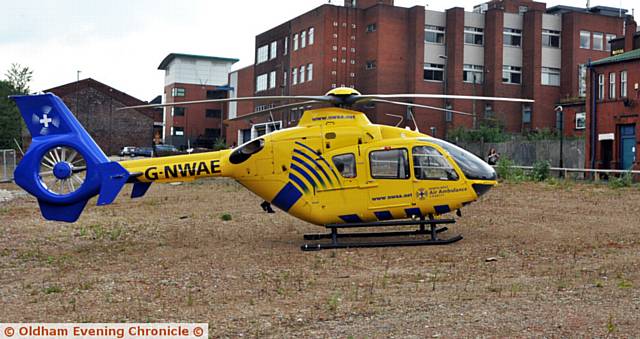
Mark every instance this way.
x=63 y=167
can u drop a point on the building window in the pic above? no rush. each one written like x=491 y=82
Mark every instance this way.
x=585 y=39
x=612 y=85
x=178 y=111
x=213 y=113
x=263 y=54
x=371 y=64
x=213 y=94
x=303 y=39
x=301 y=74
x=178 y=130
x=550 y=76
x=309 y=72
x=389 y=164
x=346 y=164
x=623 y=84
x=581 y=120
x=295 y=42
x=600 y=86
x=550 y=38
x=598 y=41
x=582 y=80
x=608 y=41
x=526 y=113
x=262 y=82
x=434 y=34
x=511 y=74
x=433 y=72
x=448 y=115
x=284 y=78
x=272 y=79
x=334 y=59
x=286 y=45
x=273 y=50
x=522 y=10
x=178 y=92
x=488 y=111
x=371 y=28
x=473 y=35
x=472 y=73
x=353 y=49
x=311 y=35
x=512 y=37
x=294 y=76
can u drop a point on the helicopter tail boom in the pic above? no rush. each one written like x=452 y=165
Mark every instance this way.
x=63 y=167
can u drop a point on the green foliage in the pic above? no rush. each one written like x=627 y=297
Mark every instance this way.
x=505 y=170
x=219 y=144
x=19 y=77
x=624 y=180
x=225 y=216
x=542 y=134
x=486 y=132
x=540 y=171
x=10 y=121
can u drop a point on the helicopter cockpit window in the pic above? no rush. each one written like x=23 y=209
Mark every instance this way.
x=429 y=164
x=389 y=164
x=346 y=165
x=243 y=152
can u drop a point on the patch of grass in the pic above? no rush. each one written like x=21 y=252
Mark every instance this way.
x=334 y=302
x=52 y=289
x=598 y=284
x=624 y=283
x=226 y=217
x=625 y=180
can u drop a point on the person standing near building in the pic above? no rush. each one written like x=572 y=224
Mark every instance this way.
x=493 y=157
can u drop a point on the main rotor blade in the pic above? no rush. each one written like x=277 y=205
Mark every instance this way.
x=422 y=106
x=368 y=97
x=325 y=98
x=259 y=113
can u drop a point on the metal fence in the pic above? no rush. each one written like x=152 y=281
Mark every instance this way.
x=7 y=164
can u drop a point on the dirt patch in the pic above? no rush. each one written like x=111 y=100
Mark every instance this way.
x=567 y=265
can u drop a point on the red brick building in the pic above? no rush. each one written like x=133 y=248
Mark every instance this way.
x=613 y=107
x=516 y=48
x=188 y=78
x=96 y=106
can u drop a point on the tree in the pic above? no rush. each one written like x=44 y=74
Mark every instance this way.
x=10 y=120
x=19 y=77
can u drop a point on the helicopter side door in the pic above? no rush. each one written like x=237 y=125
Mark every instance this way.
x=436 y=183
x=389 y=180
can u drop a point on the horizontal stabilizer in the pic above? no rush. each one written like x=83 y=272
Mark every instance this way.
x=67 y=213
x=140 y=189
x=113 y=177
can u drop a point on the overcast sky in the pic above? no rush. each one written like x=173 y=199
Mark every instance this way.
x=121 y=42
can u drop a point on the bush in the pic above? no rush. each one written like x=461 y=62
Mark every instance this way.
x=506 y=171
x=624 y=180
x=485 y=132
x=225 y=217
x=219 y=144
x=540 y=171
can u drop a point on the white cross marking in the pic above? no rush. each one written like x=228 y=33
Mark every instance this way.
x=45 y=120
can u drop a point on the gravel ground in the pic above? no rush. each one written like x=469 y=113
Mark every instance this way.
x=565 y=262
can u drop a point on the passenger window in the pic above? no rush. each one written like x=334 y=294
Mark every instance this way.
x=389 y=164
x=346 y=165
x=429 y=164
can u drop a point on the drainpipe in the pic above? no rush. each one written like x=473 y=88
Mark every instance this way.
x=593 y=114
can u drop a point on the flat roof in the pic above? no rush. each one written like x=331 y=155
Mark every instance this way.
x=165 y=62
x=601 y=10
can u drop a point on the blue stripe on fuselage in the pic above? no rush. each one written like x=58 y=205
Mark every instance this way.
x=287 y=197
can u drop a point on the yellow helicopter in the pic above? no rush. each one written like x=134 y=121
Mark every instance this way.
x=335 y=168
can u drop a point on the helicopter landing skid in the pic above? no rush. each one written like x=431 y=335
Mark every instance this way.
x=432 y=232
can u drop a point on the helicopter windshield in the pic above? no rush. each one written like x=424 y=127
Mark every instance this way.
x=472 y=166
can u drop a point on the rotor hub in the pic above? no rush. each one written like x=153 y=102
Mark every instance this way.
x=62 y=170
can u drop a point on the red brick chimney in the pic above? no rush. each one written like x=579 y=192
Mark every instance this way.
x=629 y=31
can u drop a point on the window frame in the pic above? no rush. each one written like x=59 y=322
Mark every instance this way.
x=294 y=76
x=311 y=36
x=302 y=74
x=511 y=32
x=607 y=41
x=372 y=27
x=582 y=80
x=309 y=72
x=260 y=79
x=272 y=79
x=581 y=117
x=527 y=111
x=551 y=73
x=511 y=70
x=586 y=34
x=355 y=166
x=262 y=54
x=600 y=38
x=406 y=163
x=431 y=67
x=295 y=42
x=549 y=33
x=441 y=155
x=470 y=30
x=624 y=84
x=303 y=39
x=273 y=49
x=612 y=86
x=438 y=31
x=177 y=111
x=601 y=86
x=178 y=92
x=473 y=69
